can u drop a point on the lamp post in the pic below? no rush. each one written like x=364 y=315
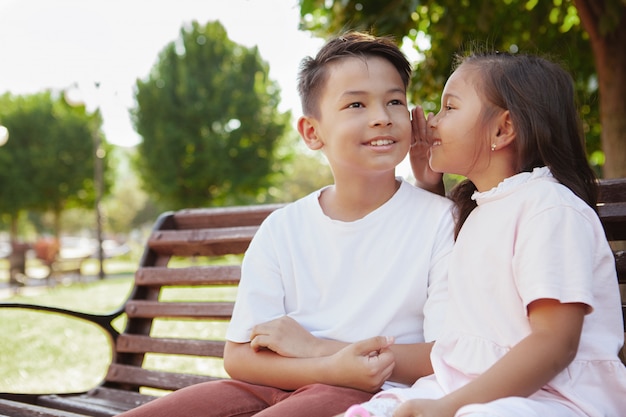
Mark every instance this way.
x=98 y=156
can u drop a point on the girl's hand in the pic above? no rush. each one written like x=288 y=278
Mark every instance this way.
x=425 y=177
x=424 y=408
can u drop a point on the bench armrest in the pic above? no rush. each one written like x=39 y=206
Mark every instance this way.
x=103 y=320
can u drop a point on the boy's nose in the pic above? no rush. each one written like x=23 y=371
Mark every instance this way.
x=381 y=117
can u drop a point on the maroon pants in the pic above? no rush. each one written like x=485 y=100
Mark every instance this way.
x=231 y=398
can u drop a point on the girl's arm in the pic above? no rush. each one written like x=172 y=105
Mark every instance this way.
x=528 y=366
x=412 y=362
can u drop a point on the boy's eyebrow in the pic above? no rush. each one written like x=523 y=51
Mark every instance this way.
x=362 y=92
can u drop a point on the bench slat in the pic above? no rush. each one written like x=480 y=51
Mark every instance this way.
x=612 y=212
x=143 y=344
x=620 y=264
x=141 y=377
x=612 y=190
x=223 y=216
x=199 y=275
x=202 y=242
x=14 y=408
x=613 y=216
x=155 y=309
x=90 y=405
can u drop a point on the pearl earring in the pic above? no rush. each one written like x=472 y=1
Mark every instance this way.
x=493 y=147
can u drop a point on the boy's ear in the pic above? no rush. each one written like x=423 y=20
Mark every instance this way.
x=505 y=133
x=307 y=127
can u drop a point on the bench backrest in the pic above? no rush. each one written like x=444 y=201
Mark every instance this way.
x=186 y=283
x=612 y=211
x=183 y=297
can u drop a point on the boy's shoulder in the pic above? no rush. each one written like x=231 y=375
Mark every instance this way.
x=303 y=206
x=425 y=197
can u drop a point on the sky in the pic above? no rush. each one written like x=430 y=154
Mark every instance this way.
x=72 y=44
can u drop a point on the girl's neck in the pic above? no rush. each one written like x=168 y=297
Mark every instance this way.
x=500 y=167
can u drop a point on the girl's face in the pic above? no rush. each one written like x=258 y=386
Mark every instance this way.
x=459 y=143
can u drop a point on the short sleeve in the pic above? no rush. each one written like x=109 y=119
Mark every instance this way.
x=260 y=296
x=553 y=257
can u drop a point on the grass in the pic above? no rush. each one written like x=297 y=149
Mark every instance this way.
x=43 y=352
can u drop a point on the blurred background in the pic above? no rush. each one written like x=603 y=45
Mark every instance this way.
x=112 y=112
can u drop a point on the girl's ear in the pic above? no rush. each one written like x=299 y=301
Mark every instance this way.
x=505 y=133
x=307 y=127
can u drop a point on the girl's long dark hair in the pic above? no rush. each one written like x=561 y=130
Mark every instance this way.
x=539 y=94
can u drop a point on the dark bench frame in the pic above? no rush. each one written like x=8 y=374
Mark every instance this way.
x=192 y=233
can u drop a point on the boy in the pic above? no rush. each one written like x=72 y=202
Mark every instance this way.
x=340 y=290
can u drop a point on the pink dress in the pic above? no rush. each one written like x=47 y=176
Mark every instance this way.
x=529 y=238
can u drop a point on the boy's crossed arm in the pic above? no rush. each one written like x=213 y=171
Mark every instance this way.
x=288 y=338
x=285 y=355
x=353 y=366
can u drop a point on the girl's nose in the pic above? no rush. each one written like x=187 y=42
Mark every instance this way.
x=432 y=121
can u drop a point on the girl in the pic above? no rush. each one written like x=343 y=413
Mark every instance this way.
x=534 y=323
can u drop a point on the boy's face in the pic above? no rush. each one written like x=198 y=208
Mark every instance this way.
x=363 y=124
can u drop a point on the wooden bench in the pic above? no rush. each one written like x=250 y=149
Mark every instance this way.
x=196 y=235
x=177 y=256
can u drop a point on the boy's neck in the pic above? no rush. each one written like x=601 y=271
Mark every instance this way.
x=352 y=200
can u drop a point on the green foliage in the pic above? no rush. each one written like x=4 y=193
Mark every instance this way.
x=48 y=160
x=207 y=115
x=307 y=173
x=437 y=29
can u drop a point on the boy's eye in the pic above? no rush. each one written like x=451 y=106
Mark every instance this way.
x=395 y=102
x=354 y=105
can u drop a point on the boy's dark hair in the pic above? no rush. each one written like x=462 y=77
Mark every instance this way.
x=539 y=94
x=313 y=71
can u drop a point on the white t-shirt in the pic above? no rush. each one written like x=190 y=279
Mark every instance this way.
x=384 y=274
x=531 y=238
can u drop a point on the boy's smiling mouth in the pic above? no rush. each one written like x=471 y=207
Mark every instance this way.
x=381 y=142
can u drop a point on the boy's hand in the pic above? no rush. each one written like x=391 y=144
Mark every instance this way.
x=425 y=177
x=284 y=336
x=364 y=365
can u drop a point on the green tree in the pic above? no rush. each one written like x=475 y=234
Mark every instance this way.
x=588 y=36
x=207 y=115
x=127 y=199
x=48 y=160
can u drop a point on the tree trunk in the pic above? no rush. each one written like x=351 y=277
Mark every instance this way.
x=17 y=259
x=13 y=228
x=610 y=62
